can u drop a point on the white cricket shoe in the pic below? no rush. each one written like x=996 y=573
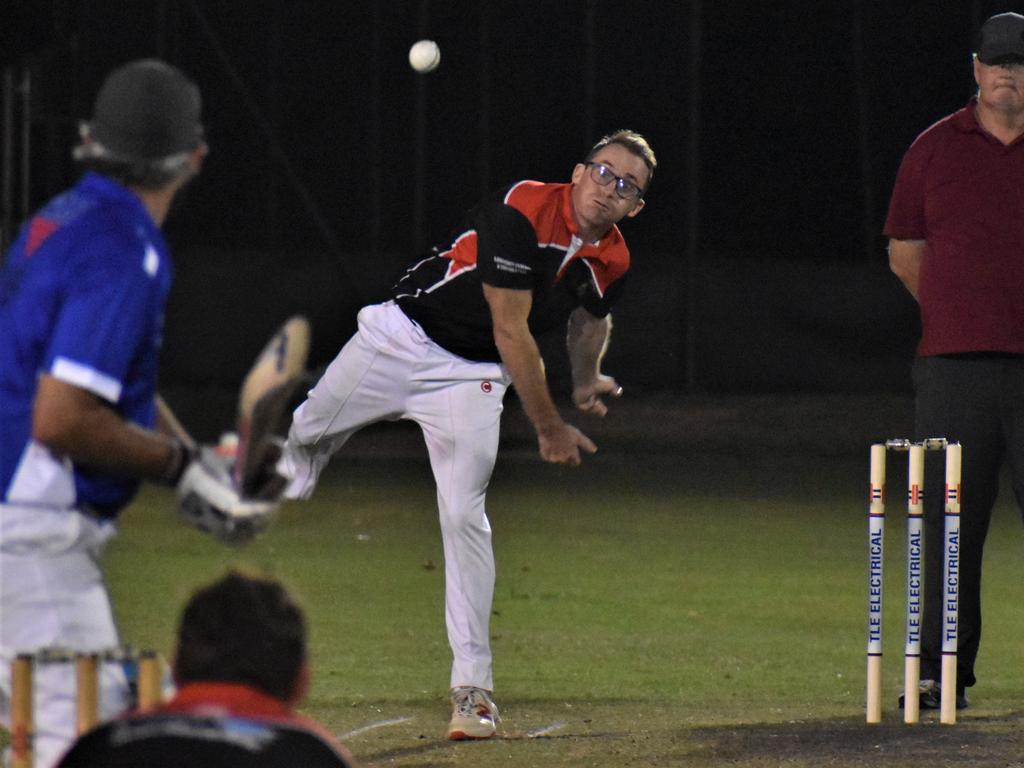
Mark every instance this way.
x=473 y=714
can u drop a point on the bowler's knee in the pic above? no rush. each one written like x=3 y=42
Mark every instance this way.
x=465 y=518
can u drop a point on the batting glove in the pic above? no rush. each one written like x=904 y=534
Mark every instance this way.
x=208 y=499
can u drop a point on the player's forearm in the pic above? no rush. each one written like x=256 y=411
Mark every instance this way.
x=522 y=359
x=72 y=422
x=587 y=341
x=109 y=444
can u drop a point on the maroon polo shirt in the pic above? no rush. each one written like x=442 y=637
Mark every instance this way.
x=962 y=191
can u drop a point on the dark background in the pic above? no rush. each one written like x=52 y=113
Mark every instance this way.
x=759 y=264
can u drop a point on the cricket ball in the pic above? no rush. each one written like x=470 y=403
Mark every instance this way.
x=424 y=56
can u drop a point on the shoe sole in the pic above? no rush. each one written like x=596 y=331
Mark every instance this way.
x=463 y=736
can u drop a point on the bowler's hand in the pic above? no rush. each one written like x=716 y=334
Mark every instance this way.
x=587 y=397
x=562 y=444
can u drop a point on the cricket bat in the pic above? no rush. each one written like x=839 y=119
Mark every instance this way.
x=266 y=391
x=168 y=422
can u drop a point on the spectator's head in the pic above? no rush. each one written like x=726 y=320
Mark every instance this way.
x=244 y=629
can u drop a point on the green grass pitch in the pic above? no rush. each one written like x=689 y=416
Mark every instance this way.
x=684 y=610
x=698 y=609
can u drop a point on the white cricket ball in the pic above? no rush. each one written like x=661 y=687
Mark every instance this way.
x=424 y=56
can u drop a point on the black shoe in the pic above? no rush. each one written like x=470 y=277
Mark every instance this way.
x=930 y=696
x=961 y=699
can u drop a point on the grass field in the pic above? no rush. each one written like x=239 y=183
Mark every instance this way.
x=699 y=607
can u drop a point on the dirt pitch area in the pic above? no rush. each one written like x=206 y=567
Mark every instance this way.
x=634 y=734
x=989 y=741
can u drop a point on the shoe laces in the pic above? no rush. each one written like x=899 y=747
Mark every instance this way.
x=470 y=701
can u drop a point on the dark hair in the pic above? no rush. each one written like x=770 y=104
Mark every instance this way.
x=635 y=143
x=242 y=629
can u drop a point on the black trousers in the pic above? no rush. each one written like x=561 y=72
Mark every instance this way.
x=978 y=401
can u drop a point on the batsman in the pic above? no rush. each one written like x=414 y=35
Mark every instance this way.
x=82 y=296
x=460 y=328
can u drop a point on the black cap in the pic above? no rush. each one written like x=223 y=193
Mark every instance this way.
x=1001 y=39
x=146 y=110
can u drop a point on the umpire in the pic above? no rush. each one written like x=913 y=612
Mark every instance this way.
x=956 y=229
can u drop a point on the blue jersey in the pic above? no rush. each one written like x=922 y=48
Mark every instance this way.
x=82 y=297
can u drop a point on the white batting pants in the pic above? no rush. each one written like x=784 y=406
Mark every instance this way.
x=391 y=370
x=52 y=595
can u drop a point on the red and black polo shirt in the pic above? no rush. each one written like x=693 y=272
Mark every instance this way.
x=210 y=725
x=525 y=240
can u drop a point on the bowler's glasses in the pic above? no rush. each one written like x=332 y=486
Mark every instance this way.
x=624 y=188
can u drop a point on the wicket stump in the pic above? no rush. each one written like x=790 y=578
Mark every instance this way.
x=951 y=580
x=87 y=691
x=914 y=575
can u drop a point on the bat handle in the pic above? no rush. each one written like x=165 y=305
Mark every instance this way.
x=169 y=424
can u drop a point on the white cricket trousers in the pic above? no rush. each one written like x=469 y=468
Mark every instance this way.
x=52 y=595
x=391 y=370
